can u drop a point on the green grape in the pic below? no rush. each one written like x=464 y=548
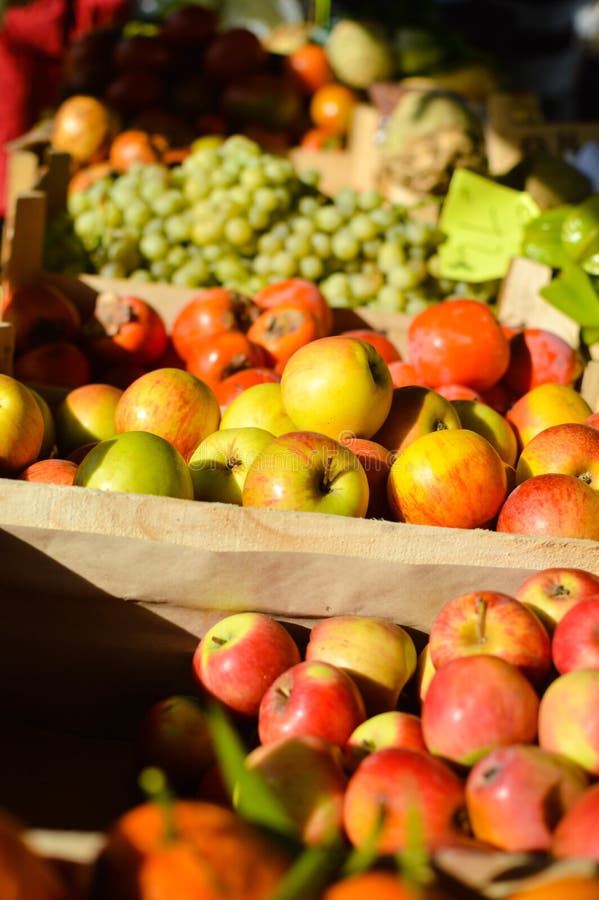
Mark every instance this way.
x=283 y=264
x=161 y=270
x=383 y=216
x=311 y=267
x=112 y=270
x=177 y=256
x=266 y=198
x=415 y=303
x=196 y=186
x=220 y=178
x=168 y=203
x=262 y=263
x=193 y=273
x=154 y=247
x=88 y=228
x=238 y=231
x=302 y=225
x=259 y=219
x=229 y=270
x=207 y=231
x=123 y=250
x=370 y=249
x=298 y=245
x=328 y=218
x=137 y=214
x=211 y=252
x=369 y=199
x=390 y=298
x=178 y=228
x=321 y=244
x=241 y=146
x=241 y=196
x=151 y=189
x=78 y=203
x=140 y=275
x=308 y=206
x=345 y=245
x=391 y=256
x=153 y=226
x=419 y=233
x=362 y=226
x=408 y=275
x=278 y=170
x=99 y=191
x=346 y=200
x=123 y=194
x=280 y=230
x=364 y=286
x=336 y=290
x=252 y=178
x=310 y=177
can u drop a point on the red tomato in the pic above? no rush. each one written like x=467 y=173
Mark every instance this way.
x=379 y=341
x=227 y=389
x=282 y=329
x=126 y=328
x=211 y=312
x=458 y=342
x=309 y=67
x=223 y=354
x=297 y=290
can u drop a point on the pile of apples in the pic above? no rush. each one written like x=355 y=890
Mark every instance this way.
x=254 y=401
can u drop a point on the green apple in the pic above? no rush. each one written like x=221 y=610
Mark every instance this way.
x=393 y=728
x=86 y=414
x=485 y=420
x=259 y=406
x=307 y=471
x=220 y=463
x=21 y=426
x=136 y=462
x=569 y=718
x=337 y=386
x=415 y=410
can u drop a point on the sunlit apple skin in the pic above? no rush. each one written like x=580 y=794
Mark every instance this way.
x=551 y=505
x=543 y=406
x=394 y=728
x=175 y=736
x=307 y=775
x=337 y=385
x=311 y=697
x=425 y=669
x=309 y=472
x=240 y=656
x=576 y=835
x=482 y=418
x=571 y=448
x=507 y=795
x=492 y=622
x=172 y=403
x=476 y=703
x=453 y=478
x=48 y=447
x=86 y=414
x=415 y=410
x=136 y=462
x=399 y=783
x=221 y=461
x=376 y=462
x=380 y=656
x=259 y=406
x=50 y=471
x=551 y=592
x=569 y=717
x=575 y=643
x=21 y=426
x=538 y=356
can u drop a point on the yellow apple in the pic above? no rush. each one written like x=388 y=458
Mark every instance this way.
x=259 y=406
x=485 y=420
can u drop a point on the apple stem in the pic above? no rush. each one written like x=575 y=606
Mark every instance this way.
x=325 y=480
x=481 y=619
x=218 y=640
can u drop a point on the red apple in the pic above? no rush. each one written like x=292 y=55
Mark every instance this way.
x=543 y=406
x=569 y=717
x=539 y=356
x=551 y=505
x=415 y=410
x=376 y=462
x=507 y=795
x=240 y=656
x=575 y=643
x=337 y=386
x=304 y=470
x=171 y=403
x=311 y=697
x=576 y=835
x=307 y=775
x=398 y=788
x=402 y=373
x=551 y=592
x=571 y=448
x=491 y=622
x=21 y=426
x=50 y=471
x=393 y=728
x=453 y=478
x=175 y=736
x=476 y=703
x=136 y=462
x=379 y=655
x=86 y=414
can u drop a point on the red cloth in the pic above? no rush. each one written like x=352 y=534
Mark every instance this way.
x=32 y=43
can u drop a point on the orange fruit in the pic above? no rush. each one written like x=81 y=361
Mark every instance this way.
x=574 y=887
x=309 y=67
x=332 y=107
